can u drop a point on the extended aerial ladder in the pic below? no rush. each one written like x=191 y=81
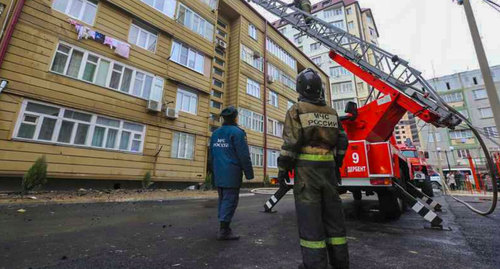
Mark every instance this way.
x=399 y=88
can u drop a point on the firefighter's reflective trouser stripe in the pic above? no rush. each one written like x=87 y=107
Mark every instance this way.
x=319 y=213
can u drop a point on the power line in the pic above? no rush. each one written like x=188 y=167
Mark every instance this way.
x=493 y=4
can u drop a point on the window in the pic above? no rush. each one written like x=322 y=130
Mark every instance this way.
x=221 y=33
x=211 y=3
x=83 y=10
x=187 y=101
x=93 y=68
x=143 y=38
x=278 y=75
x=339 y=105
x=253 y=88
x=338 y=71
x=333 y=12
x=252 y=58
x=342 y=88
x=480 y=94
x=298 y=38
x=53 y=124
x=486 y=112
x=350 y=25
x=272 y=158
x=475 y=80
x=195 y=22
x=274 y=127
x=461 y=134
x=491 y=131
x=369 y=19
x=222 y=25
x=183 y=146
x=252 y=31
x=372 y=31
x=315 y=46
x=220 y=52
x=348 y=11
x=290 y=104
x=218 y=71
x=166 y=7
x=219 y=61
x=463 y=153
x=215 y=117
x=215 y=104
x=448 y=86
x=316 y=60
x=464 y=113
x=187 y=57
x=339 y=24
x=251 y=120
x=273 y=99
x=279 y=52
x=453 y=97
x=216 y=94
x=256 y=156
x=218 y=83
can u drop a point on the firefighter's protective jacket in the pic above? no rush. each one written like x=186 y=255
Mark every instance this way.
x=230 y=156
x=319 y=124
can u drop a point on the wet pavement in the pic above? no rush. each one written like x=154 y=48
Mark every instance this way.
x=181 y=234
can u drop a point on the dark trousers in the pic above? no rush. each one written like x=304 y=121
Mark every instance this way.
x=228 y=202
x=320 y=216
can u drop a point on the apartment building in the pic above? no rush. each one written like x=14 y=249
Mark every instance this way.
x=465 y=91
x=349 y=16
x=112 y=89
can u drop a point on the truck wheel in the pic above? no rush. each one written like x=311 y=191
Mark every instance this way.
x=357 y=195
x=427 y=187
x=390 y=206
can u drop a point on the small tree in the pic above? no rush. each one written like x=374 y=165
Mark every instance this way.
x=209 y=184
x=267 y=182
x=146 y=180
x=36 y=175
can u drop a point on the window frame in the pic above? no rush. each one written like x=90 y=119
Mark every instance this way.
x=165 y=3
x=112 y=63
x=191 y=24
x=251 y=120
x=189 y=50
x=252 y=31
x=274 y=98
x=92 y=124
x=485 y=96
x=184 y=92
x=188 y=136
x=490 y=114
x=252 y=87
x=80 y=15
x=259 y=155
x=148 y=35
x=272 y=156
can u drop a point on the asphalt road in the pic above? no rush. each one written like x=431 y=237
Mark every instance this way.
x=181 y=234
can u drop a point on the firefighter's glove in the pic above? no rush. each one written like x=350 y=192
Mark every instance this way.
x=286 y=163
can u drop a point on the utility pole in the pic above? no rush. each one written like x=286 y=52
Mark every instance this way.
x=483 y=62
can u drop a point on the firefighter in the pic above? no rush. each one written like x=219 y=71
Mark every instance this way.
x=304 y=5
x=229 y=157
x=314 y=145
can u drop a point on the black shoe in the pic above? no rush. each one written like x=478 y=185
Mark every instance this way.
x=226 y=234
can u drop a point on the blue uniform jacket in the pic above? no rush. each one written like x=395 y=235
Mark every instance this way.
x=230 y=157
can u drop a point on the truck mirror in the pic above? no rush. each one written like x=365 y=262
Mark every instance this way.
x=351 y=108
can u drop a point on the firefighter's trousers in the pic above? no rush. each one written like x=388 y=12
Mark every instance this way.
x=319 y=213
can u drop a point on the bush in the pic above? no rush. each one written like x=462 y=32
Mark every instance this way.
x=36 y=175
x=209 y=184
x=146 y=180
x=267 y=182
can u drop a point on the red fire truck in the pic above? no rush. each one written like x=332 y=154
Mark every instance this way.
x=374 y=163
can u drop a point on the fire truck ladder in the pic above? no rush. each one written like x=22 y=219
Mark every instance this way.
x=389 y=69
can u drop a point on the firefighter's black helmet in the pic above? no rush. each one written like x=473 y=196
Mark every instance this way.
x=310 y=87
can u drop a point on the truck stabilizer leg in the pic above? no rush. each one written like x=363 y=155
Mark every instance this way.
x=419 y=208
x=268 y=206
x=426 y=199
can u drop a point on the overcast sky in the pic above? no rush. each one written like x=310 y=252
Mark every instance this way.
x=433 y=35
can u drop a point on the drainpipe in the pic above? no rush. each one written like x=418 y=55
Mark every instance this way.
x=10 y=29
x=264 y=62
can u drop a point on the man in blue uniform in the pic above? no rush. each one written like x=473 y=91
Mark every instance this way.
x=229 y=158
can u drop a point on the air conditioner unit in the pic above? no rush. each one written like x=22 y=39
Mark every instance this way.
x=256 y=54
x=221 y=44
x=154 y=106
x=172 y=113
x=270 y=79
